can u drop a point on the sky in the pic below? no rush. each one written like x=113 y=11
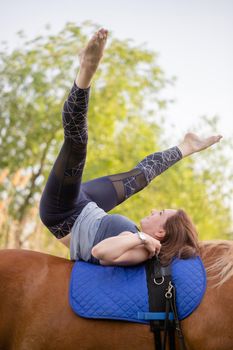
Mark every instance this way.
x=194 y=40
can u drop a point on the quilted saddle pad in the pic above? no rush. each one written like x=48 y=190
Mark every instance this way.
x=120 y=293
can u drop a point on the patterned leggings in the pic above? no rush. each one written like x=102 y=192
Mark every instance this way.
x=65 y=196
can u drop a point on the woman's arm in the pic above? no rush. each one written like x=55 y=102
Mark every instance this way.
x=133 y=256
x=125 y=249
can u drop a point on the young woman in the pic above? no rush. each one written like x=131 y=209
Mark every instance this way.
x=76 y=213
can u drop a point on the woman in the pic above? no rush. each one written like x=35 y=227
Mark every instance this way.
x=76 y=213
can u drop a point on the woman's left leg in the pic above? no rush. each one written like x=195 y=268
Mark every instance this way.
x=109 y=191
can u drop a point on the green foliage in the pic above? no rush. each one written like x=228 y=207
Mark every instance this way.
x=34 y=82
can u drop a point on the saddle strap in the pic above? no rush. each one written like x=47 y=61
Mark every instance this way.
x=166 y=325
x=157 y=338
x=176 y=320
x=158 y=281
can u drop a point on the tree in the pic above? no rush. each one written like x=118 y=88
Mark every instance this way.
x=125 y=99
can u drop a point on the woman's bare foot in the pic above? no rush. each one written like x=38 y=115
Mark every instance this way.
x=90 y=57
x=193 y=143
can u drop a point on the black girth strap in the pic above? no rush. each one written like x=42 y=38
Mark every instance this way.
x=162 y=300
x=177 y=323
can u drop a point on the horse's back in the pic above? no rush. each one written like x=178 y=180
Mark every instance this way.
x=24 y=272
x=35 y=311
x=30 y=285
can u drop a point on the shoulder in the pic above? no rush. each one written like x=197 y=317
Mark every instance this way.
x=123 y=222
x=126 y=233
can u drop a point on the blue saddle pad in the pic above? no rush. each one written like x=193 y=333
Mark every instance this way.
x=120 y=293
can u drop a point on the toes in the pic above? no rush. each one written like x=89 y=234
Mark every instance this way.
x=217 y=138
x=94 y=37
x=105 y=33
x=213 y=139
x=102 y=33
x=98 y=40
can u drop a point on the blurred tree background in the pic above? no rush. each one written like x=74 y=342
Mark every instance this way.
x=124 y=126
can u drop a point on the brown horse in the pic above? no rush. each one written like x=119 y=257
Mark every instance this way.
x=35 y=313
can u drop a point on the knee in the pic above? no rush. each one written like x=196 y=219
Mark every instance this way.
x=43 y=212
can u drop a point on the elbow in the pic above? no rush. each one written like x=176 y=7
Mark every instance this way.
x=96 y=252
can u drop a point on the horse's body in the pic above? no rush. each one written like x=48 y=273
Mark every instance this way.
x=35 y=313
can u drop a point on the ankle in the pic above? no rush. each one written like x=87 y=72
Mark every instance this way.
x=185 y=149
x=83 y=79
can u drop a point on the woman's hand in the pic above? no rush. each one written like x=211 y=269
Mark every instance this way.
x=152 y=245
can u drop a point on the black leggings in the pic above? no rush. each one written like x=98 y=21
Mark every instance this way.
x=65 y=196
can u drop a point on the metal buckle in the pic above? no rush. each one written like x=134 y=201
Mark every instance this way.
x=159 y=283
x=168 y=294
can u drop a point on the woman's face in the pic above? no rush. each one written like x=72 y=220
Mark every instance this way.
x=154 y=223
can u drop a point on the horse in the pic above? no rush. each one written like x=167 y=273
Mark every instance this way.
x=35 y=312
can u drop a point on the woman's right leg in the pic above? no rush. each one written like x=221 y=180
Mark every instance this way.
x=59 y=205
x=61 y=201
